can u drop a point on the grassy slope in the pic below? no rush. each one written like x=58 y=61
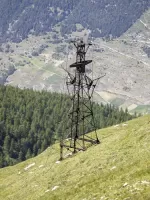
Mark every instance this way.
x=118 y=168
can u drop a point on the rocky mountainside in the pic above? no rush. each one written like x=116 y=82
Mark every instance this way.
x=35 y=46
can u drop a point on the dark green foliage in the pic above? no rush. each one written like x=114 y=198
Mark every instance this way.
x=107 y=17
x=28 y=121
x=31 y=16
x=31 y=121
x=19 y=18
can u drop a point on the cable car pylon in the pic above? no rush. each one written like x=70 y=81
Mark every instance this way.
x=81 y=116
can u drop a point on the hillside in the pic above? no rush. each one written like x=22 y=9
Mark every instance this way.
x=105 y=18
x=127 y=66
x=18 y=19
x=35 y=46
x=31 y=121
x=118 y=168
x=28 y=122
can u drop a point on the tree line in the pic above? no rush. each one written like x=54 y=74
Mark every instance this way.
x=31 y=121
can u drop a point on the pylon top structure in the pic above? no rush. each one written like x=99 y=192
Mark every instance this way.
x=81 y=117
x=80 y=57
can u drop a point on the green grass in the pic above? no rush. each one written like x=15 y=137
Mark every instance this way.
x=118 y=168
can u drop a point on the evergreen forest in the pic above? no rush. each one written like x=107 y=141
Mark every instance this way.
x=20 y=18
x=31 y=121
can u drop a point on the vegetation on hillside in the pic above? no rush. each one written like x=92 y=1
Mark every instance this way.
x=106 y=18
x=118 y=168
x=18 y=18
x=30 y=121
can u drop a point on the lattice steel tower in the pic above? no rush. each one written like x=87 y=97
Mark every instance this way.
x=80 y=88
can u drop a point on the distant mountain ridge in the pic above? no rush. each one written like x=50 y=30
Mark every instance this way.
x=18 y=19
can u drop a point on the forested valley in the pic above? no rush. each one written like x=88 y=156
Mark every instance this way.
x=31 y=121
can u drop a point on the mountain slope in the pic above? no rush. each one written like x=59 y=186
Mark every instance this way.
x=37 y=60
x=18 y=19
x=105 y=18
x=127 y=66
x=31 y=121
x=118 y=168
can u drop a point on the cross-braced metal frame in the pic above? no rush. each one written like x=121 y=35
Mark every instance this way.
x=81 y=116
